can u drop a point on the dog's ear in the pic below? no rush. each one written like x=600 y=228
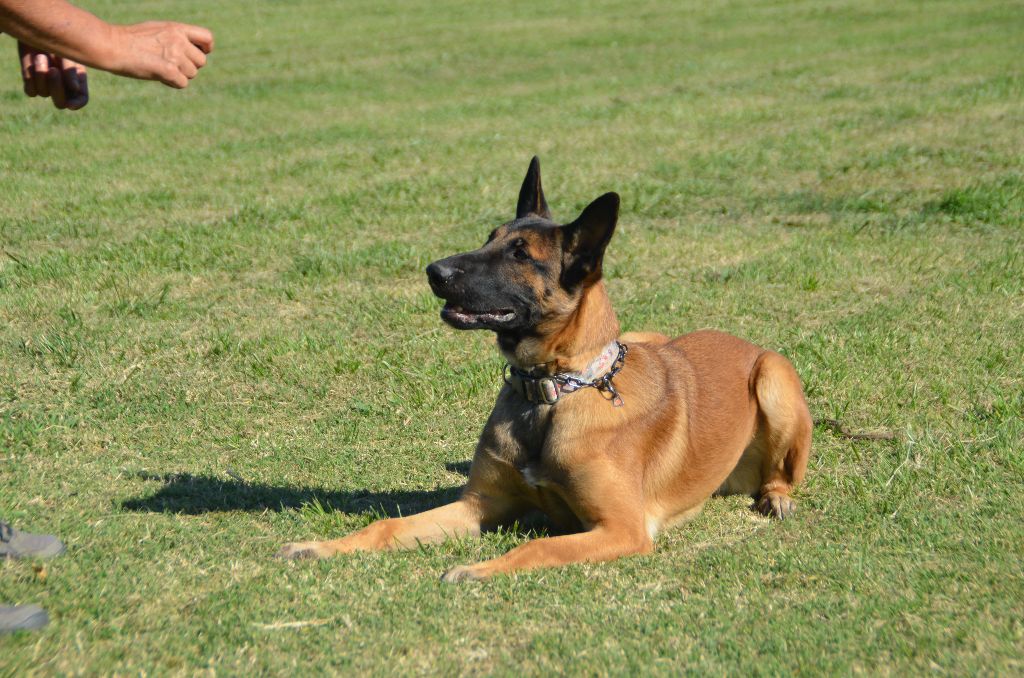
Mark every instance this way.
x=531 y=195
x=584 y=241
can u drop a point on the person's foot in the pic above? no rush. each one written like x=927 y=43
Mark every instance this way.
x=15 y=544
x=22 y=618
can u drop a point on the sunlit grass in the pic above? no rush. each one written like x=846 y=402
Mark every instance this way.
x=216 y=336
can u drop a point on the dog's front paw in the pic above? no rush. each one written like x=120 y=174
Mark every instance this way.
x=301 y=550
x=462 y=573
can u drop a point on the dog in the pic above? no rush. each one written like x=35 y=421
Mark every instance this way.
x=615 y=438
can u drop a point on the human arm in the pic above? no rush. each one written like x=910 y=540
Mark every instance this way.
x=154 y=50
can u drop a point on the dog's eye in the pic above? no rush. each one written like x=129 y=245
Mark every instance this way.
x=519 y=249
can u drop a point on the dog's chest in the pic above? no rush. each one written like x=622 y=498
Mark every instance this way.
x=533 y=460
x=528 y=433
x=534 y=476
x=519 y=439
x=522 y=435
x=547 y=487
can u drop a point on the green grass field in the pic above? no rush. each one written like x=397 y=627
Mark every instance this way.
x=216 y=335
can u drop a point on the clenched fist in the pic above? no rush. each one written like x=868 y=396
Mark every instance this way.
x=159 y=50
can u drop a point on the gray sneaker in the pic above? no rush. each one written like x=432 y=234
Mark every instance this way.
x=22 y=618
x=15 y=544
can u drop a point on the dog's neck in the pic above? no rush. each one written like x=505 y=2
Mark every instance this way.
x=568 y=343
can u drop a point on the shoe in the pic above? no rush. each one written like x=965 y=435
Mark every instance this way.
x=22 y=618
x=15 y=544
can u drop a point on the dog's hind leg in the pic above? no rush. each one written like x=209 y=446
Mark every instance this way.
x=785 y=431
x=463 y=518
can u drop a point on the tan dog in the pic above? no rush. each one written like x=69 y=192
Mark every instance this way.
x=614 y=438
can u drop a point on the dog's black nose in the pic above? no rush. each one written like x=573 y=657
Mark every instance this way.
x=440 y=274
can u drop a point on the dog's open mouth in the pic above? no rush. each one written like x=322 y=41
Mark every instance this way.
x=462 y=318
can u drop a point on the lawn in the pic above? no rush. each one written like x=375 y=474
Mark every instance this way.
x=216 y=335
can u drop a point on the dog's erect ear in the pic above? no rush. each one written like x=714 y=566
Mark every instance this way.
x=584 y=241
x=531 y=195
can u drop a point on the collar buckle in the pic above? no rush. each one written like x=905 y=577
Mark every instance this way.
x=547 y=389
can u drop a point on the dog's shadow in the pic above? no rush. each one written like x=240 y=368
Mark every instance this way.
x=185 y=493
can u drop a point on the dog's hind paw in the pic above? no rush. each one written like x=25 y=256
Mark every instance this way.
x=776 y=505
x=460 y=574
x=301 y=551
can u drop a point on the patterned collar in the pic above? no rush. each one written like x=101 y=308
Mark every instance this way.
x=549 y=388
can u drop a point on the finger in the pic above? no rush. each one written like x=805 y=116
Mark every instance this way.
x=55 y=83
x=26 y=71
x=200 y=37
x=76 y=86
x=40 y=67
x=195 y=55
x=187 y=68
x=172 y=77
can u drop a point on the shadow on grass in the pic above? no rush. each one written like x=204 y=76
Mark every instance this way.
x=191 y=494
x=460 y=467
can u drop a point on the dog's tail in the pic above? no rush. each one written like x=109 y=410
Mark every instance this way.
x=787 y=422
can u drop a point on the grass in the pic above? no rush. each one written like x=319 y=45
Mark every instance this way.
x=216 y=336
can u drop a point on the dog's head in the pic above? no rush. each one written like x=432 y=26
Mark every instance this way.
x=531 y=273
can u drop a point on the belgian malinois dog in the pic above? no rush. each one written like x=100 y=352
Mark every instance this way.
x=614 y=437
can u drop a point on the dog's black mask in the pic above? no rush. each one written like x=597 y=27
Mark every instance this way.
x=529 y=270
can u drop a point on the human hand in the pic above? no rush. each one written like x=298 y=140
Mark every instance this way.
x=48 y=75
x=166 y=51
